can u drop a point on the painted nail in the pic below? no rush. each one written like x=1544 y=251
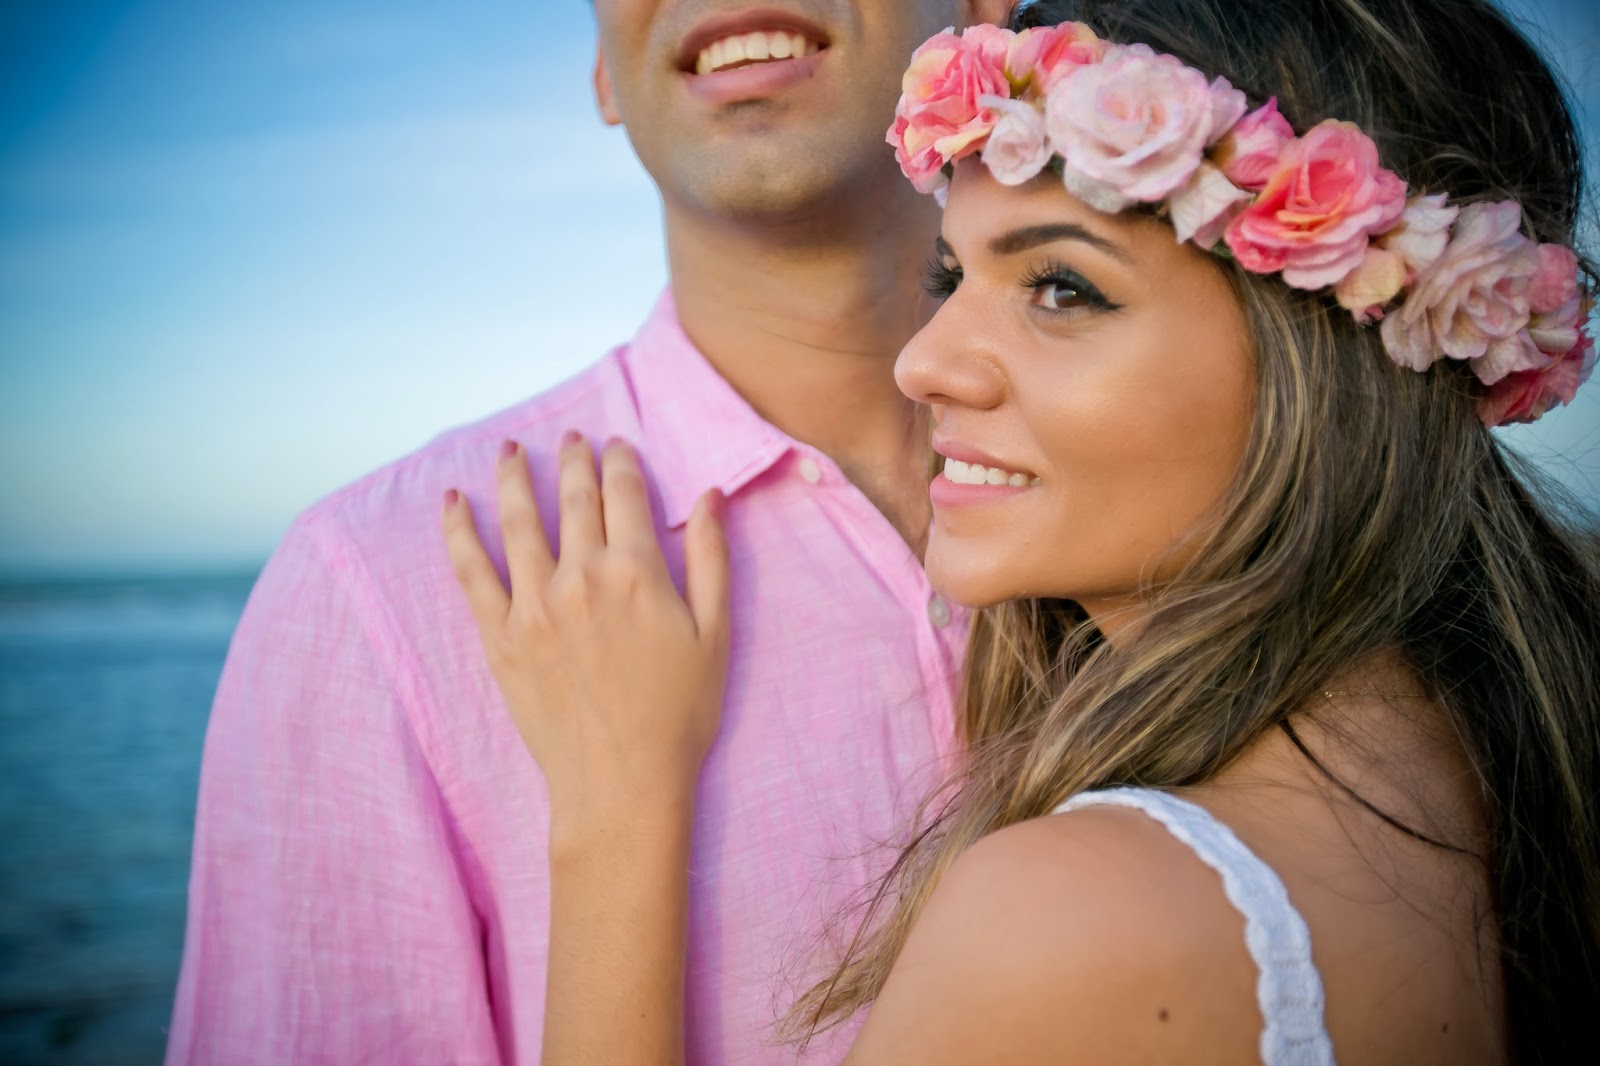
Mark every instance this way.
x=508 y=449
x=451 y=498
x=716 y=504
x=570 y=437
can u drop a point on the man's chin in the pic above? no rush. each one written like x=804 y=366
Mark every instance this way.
x=778 y=185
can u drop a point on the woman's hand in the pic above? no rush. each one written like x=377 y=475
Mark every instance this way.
x=614 y=680
x=615 y=683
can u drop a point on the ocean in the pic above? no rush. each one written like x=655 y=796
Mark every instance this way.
x=105 y=685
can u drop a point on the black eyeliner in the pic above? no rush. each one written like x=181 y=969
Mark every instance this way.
x=1054 y=272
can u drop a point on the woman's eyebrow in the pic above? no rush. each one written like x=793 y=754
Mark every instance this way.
x=1019 y=240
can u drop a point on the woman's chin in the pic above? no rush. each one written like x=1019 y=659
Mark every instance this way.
x=969 y=586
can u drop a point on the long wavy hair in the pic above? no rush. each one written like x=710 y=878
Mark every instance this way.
x=1371 y=512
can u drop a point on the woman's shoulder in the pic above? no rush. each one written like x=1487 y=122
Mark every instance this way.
x=1095 y=933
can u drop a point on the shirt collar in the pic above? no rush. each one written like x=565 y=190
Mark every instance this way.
x=697 y=432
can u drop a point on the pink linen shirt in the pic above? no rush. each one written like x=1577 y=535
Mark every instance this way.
x=370 y=881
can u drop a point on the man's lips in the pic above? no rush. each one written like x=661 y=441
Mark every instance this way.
x=736 y=23
x=754 y=81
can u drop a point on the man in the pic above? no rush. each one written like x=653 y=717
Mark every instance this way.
x=369 y=879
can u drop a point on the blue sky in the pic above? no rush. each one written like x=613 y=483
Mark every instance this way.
x=251 y=251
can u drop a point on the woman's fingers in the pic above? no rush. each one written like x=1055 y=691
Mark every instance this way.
x=582 y=526
x=705 y=550
x=625 y=505
x=486 y=596
x=528 y=555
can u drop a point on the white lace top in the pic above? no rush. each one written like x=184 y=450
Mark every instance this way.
x=1288 y=988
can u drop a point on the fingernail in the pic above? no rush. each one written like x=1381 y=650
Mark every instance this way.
x=615 y=442
x=451 y=498
x=716 y=504
x=570 y=437
x=508 y=449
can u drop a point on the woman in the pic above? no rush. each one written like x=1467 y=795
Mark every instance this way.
x=1281 y=719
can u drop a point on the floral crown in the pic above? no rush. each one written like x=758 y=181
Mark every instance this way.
x=1127 y=125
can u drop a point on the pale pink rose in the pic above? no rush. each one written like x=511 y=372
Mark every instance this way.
x=1422 y=232
x=1040 y=55
x=1227 y=108
x=939 y=119
x=993 y=43
x=1201 y=209
x=1131 y=128
x=1367 y=289
x=1017 y=148
x=1525 y=395
x=1472 y=302
x=1248 y=153
x=1313 y=218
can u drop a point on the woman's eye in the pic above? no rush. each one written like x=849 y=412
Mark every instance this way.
x=1055 y=288
x=1061 y=296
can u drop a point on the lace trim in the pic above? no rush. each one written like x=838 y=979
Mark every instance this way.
x=1288 y=987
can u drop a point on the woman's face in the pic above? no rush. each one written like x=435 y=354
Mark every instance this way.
x=1103 y=367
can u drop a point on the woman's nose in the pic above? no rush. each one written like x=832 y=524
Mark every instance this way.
x=946 y=363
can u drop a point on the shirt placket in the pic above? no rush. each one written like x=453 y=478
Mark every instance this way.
x=940 y=626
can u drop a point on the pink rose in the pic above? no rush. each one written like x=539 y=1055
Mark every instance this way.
x=1133 y=127
x=1555 y=283
x=992 y=43
x=1040 y=55
x=939 y=119
x=1525 y=395
x=1017 y=148
x=1472 y=302
x=1248 y=153
x=1313 y=218
x=1555 y=301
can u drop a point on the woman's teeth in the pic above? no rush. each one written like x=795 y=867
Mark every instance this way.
x=745 y=48
x=974 y=474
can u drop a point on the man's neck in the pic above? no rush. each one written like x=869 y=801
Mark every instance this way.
x=805 y=320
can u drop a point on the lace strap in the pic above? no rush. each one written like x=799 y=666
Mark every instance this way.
x=1288 y=986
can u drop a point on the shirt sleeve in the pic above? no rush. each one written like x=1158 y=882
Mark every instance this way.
x=328 y=918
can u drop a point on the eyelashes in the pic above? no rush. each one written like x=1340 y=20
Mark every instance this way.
x=1063 y=279
x=1051 y=278
x=939 y=279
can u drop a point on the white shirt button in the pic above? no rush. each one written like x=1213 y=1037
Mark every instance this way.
x=810 y=470
x=938 y=612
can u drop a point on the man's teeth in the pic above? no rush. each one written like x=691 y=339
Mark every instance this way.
x=753 y=48
x=974 y=474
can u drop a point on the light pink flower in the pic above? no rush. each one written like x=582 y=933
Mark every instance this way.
x=1313 y=218
x=1472 y=302
x=1017 y=147
x=1370 y=286
x=1422 y=232
x=1248 y=153
x=1396 y=256
x=1201 y=209
x=1132 y=127
x=1040 y=55
x=1525 y=395
x=939 y=119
